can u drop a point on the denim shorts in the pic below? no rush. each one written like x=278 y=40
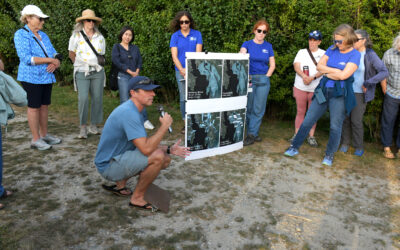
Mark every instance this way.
x=125 y=165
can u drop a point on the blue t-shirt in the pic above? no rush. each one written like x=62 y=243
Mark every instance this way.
x=259 y=56
x=359 y=75
x=123 y=125
x=339 y=60
x=185 y=44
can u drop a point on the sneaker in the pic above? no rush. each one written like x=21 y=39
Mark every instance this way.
x=249 y=140
x=359 y=152
x=312 y=141
x=291 y=151
x=257 y=138
x=40 y=144
x=51 y=140
x=94 y=130
x=291 y=139
x=147 y=125
x=344 y=148
x=328 y=160
x=82 y=133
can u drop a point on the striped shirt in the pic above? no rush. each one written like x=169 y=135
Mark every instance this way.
x=391 y=59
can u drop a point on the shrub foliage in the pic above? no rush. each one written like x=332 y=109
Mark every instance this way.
x=224 y=26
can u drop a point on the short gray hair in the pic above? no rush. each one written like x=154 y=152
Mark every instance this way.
x=396 y=42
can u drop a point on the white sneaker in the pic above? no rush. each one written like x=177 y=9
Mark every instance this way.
x=147 y=125
x=82 y=133
x=94 y=130
x=40 y=144
x=51 y=140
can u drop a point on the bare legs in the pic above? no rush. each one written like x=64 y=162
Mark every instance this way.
x=37 y=120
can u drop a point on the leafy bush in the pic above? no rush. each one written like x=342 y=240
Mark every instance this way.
x=225 y=25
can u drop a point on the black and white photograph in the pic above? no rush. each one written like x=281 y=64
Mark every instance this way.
x=235 y=78
x=204 y=78
x=203 y=131
x=232 y=126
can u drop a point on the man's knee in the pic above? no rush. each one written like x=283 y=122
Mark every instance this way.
x=157 y=158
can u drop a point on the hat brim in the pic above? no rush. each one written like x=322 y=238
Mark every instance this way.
x=147 y=86
x=97 y=19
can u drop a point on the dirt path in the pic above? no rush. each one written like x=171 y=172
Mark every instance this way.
x=250 y=199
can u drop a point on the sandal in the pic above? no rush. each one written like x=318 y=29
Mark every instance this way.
x=147 y=206
x=113 y=189
x=387 y=153
x=5 y=194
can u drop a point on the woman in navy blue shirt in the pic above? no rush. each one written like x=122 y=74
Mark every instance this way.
x=126 y=57
x=335 y=91
x=185 y=39
x=262 y=65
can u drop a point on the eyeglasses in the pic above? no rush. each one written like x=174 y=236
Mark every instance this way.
x=362 y=38
x=89 y=20
x=184 y=22
x=337 y=41
x=263 y=31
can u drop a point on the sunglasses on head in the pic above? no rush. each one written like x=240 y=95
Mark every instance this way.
x=263 y=31
x=337 y=41
x=184 y=22
x=90 y=20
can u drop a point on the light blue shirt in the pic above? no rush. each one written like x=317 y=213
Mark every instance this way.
x=27 y=48
x=123 y=125
x=359 y=75
x=185 y=44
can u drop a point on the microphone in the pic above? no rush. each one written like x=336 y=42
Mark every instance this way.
x=162 y=112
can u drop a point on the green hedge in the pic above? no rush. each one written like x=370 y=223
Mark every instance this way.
x=224 y=26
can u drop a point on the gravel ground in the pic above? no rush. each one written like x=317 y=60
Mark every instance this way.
x=254 y=198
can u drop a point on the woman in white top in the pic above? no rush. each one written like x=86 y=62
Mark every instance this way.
x=89 y=77
x=307 y=79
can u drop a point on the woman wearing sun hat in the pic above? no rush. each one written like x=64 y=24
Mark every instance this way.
x=89 y=77
x=37 y=62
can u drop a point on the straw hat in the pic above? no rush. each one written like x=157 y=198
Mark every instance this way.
x=89 y=14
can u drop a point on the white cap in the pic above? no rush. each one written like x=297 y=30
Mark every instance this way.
x=33 y=10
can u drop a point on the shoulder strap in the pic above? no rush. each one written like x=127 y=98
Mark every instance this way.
x=37 y=42
x=90 y=44
x=312 y=57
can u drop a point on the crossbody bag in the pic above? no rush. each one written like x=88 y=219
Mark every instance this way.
x=100 y=58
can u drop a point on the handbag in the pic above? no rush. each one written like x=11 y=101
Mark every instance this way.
x=101 y=60
x=113 y=78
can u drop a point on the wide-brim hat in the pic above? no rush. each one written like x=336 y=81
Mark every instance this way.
x=33 y=10
x=89 y=14
x=144 y=83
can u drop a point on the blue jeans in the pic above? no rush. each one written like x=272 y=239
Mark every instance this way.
x=337 y=114
x=389 y=115
x=182 y=91
x=123 y=80
x=1 y=165
x=256 y=103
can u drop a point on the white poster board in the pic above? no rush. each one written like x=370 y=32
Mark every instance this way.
x=216 y=99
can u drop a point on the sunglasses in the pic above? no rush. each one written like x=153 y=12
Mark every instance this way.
x=362 y=38
x=184 y=22
x=263 y=31
x=89 y=20
x=337 y=41
x=41 y=19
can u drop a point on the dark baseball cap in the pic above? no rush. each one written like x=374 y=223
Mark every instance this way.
x=141 y=82
x=316 y=34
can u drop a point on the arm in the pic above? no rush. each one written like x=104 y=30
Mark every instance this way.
x=345 y=73
x=147 y=145
x=384 y=86
x=72 y=56
x=271 y=66
x=1 y=65
x=306 y=79
x=174 y=54
x=243 y=50
x=379 y=66
x=199 y=47
x=321 y=66
x=139 y=63
x=176 y=149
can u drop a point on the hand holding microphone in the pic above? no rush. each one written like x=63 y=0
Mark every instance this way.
x=165 y=118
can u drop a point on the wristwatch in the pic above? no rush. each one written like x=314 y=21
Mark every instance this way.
x=315 y=77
